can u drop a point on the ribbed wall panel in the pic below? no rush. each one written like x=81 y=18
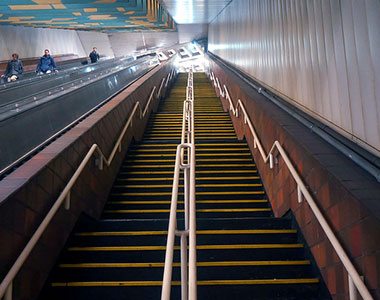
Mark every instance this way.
x=322 y=55
x=31 y=42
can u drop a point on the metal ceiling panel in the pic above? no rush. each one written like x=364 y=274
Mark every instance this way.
x=97 y=15
x=194 y=11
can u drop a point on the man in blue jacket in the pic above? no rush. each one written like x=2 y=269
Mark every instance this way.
x=46 y=64
x=14 y=69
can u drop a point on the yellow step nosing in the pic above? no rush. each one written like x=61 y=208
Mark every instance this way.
x=199 y=264
x=226 y=155
x=227 y=210
x=198 y=172
x=210 y=210
x=198 y=232
x=109 y=283
x=177 y=283
x=199 y=247
x=259 y=281
x=197 y=193
x=163 y=202
x=198 y=165
x=137 y=186
x=198 y=178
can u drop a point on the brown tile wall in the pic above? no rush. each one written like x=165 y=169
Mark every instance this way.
x=27 y=194
x=348 y=197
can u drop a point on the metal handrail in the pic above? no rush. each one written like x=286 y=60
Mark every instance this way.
x=64 y=197
x=355 y=281
x=185 y=160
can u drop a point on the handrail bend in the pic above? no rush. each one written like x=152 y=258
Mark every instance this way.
x=185 y=161
x=6 y=289
x=355 y=281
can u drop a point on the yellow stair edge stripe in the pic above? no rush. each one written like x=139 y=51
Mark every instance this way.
x=199 y=264
x=177 y=283
x=200 y=232
x=197 y=193
x=148 y=211
x=199 y=247
x=197 y=150
x=181 y=202
x=129 y=161
x=199 y=154
x=200 y=145
x=198 y=178
x=181 y=185
x=252 y=165
x=259 y=281
x=198 y=172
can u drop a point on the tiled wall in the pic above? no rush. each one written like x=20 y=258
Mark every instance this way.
x=347 y=196
x=27 y=194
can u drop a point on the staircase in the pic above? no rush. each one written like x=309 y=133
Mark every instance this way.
x=242 y=250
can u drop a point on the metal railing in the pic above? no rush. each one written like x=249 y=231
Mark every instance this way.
x=185 y=161
x=6 y=290
x=355 y=281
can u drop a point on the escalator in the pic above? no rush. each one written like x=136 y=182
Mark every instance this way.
x=242 y=250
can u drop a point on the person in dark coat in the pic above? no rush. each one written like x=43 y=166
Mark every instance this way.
x=94 y=55
x=14 y=69
x=46 y=64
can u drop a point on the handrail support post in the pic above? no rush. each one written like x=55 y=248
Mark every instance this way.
x=68 y=200
x=9 y=292
x=184 y=267
x=353 y=293
x=299 y=194
x=271 y=160
x=99 y=162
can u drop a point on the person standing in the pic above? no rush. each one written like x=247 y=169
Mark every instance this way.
x=14 y=69
x=94 y=55
x=46 y=63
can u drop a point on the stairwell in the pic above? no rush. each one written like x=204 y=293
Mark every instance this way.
x=242 y=250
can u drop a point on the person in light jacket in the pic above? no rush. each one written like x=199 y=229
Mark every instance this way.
x=94 y=55
x=14 y=69
x=46 y=64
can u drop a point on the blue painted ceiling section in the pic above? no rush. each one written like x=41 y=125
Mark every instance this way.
x=96 y=15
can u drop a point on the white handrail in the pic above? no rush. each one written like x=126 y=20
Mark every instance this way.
x=185 y=160
x=353 y=275
x=64 y=197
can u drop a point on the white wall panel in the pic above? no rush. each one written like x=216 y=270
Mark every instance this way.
x=322 y=55
x=190 y=32
x=125 y=43
x=90 y=39
x=31 y=42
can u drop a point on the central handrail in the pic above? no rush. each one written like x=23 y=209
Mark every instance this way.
x=6 y=289
x=355 y=281
x=185 y=160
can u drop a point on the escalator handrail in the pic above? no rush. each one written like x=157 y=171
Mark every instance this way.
x=354 y=278
x=54 y=88
x=185 y=160
x=31 y=152
x=64 y=197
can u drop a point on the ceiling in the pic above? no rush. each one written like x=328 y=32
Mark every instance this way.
x=110 y=15
x=194 y=11
x=96 y=15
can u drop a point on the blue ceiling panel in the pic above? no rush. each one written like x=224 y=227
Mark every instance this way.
x=97 y=15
